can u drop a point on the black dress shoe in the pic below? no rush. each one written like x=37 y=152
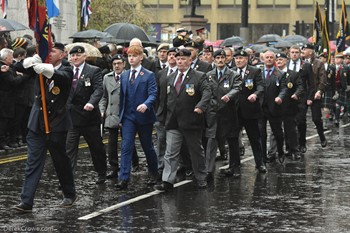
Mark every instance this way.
x=112 y=175
x=122 y=185
x=5 y=147
x=202 y=184
x=189 y=173
x=270 y=158
x=324 y=143
x=164 y=186
x=68 y=202
x=303 y=149
x=101 y=179
x=23 y=208
x=210 y=176
x=231 y=172
x=135 y=168
x=296 y=156
x=262 y=169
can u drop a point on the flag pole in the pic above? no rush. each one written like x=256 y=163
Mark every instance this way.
x=43 y=103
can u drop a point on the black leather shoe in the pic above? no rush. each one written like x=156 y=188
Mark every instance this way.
x=324 y=143
x=101 y=179
x=68 y=202
x=241 y=151
x=122 y=185
x=164 y=186
x=202 y=184
x=135 y=168
x=262 y=169
x=112 y=175
x=210 y=176
x=5 y=147
x=231 y=172
x=23 y=208
x=303 y=149
x=270 y=158
x=189 y=173
x=296 y=156
x=13 y=145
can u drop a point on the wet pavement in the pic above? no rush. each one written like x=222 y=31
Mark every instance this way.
x=309 y=195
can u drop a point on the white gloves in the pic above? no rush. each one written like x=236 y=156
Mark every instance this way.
x=335 y=96
x=31 y=61
x=46 y=69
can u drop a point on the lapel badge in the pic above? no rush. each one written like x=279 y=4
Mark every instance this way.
x=55 y=90
x=290 y=85
x=190 y=89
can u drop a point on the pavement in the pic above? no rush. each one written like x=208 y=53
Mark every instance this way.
x=308 y=195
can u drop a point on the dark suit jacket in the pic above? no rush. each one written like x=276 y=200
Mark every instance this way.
x=145 y=93
x=180 y=107
x=305 y=75
x=294 y=86
x=89 y=90
x=226 y=113
x=202 y=66
x=57 y=94
x=247 y=109
x=275 y=86
x=330 y=77
x=162 y=80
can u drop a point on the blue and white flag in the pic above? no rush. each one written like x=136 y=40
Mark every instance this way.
x=53 y=9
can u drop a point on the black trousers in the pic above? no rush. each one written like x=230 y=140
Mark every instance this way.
x=276 y=128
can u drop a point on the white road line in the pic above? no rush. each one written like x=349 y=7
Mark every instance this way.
x=156 y=192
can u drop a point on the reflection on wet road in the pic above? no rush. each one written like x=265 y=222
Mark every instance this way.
x=310 y=195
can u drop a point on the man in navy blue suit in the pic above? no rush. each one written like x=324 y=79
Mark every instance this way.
x=138 y=92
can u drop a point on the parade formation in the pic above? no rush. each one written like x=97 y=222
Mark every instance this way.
x=190 y=104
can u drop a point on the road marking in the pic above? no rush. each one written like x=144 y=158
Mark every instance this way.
x=130 y=201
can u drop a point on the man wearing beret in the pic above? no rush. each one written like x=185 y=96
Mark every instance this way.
x=315 y=88
x=58 y=80
x=196 y=64
x=188 y=96
x=249 y=110
x=208 y=55
x=181 y=37
x=161 y=61
x=221 y=116
x=83 y=103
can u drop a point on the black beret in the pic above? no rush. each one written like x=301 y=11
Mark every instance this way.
x=241 y=53
x=58 y=45
x=117 y=57
x=281 y=55
x=193 y=44
x=77 y=49
x=219 y=52
x=183 y=52
x=208 y=48
x=172 y=49
x=308 y=46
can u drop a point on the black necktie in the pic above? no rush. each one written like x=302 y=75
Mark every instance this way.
x=178 y=83
x=242 y=74
x=220 y=76
x=171 y=71
x=132 y=79
x=75 y=79
x=163 y=66
x=117 y=78
x=295 y=66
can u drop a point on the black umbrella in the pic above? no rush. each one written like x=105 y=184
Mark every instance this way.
x=7 y=25
x=282 y=44
x=234 y=40
x=258 y=48
x=269 y=38
x=91 y=34
x=127 y=31
x=296 y=39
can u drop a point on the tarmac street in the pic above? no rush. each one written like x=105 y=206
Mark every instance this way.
x=308 y=195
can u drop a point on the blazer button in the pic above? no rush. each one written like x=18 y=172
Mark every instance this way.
x=52 y=101
x=41 y=108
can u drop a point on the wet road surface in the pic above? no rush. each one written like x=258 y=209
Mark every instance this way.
x=309 y=195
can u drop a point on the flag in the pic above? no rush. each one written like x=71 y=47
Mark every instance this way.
x=39 y=23
x=85 y=12
x=4 y=4
x=53 y=9
x=343 y=32
x=317 y=28
x=324 y=46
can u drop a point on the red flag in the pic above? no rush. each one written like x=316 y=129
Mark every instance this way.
x=39 y=23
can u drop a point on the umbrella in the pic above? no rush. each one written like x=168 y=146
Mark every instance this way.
x=90 y=50
x=296 y=39
x=282 y=44
x=7 y=25
x=234 y=40
x=258 y=48
x=127 y=31
x=269 y=38
x=91 y=34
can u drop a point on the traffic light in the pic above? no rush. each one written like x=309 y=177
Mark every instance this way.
x=296 y=28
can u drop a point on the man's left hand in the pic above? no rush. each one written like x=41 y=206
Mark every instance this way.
x=198 y=110
x=317 y=95
x=88 y=107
